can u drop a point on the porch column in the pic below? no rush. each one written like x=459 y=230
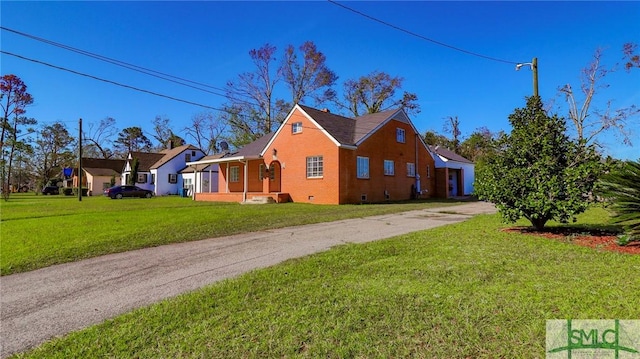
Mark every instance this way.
x=246 y=181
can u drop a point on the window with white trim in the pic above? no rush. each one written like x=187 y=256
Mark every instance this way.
x=389 y=168
x=173 y=178
x=234 y=174
x=400 y=135
x=362 y=165
x=315 y=167
x=153 y=178
x=411 y=169
x=296 y=127
x=142 y=178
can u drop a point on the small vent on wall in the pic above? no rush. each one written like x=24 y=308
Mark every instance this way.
x=363 y=197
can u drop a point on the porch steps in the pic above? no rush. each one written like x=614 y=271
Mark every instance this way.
x=260 y=200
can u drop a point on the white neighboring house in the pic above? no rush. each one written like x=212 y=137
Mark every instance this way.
x=202 y=178
x=460 y=171
x=160 y=172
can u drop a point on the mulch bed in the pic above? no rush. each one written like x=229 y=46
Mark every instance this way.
x=595 y=239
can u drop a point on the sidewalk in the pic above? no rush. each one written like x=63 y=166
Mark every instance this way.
x=39 y=305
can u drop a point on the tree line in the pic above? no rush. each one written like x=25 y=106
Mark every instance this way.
x=32 y=154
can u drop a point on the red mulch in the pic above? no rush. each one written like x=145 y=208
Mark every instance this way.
x=594 y=239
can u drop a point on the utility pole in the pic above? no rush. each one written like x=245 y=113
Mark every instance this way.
x=534 y=70
x=80 y=161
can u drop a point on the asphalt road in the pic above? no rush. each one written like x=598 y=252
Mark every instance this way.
x=42 y=304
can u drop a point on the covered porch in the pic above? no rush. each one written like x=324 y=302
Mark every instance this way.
x=242 y=179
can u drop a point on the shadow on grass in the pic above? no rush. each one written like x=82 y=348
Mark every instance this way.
x=575 y=230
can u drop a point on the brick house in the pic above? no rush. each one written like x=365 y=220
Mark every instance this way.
x=319 y=157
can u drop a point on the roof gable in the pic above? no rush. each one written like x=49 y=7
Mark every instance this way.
x=169 y=154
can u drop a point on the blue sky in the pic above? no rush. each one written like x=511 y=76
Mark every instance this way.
x=209 y=42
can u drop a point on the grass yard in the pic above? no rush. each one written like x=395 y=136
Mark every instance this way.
x=467 y=290
x=39 y=231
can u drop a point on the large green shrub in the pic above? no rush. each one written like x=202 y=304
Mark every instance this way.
x=537 y=172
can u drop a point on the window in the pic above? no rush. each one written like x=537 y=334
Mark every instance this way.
x=173 y=178
x=142 y=178
x=261 y=174
x=362 y=167
x=389 y=168
x=411 y=169
x=272 y=172
x=234 y=174
x=400 y=135
x=428 y=171
x=187 y=183
x=153 y=178
x=314 y=166
x=187 y=157
x=296 y=127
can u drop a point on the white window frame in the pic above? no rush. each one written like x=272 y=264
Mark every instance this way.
x=411 y=169
x=234 y=174
x=173 y=178
x=315 y=167
x=362 y=167
x=296 y=127
x=389 y=168
x=400 y=135
x=142 y=178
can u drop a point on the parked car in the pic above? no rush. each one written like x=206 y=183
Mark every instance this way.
x=119 y=192
x=50 y=190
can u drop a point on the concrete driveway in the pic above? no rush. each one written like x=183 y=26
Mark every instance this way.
x=39 y=305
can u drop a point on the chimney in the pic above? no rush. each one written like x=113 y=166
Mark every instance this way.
x=170 y=145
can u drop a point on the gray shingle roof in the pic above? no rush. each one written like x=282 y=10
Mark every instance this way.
x=450 y=155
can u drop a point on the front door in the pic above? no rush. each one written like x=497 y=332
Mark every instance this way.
x=274 y=177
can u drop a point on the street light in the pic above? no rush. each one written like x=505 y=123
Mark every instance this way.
x=534 y=69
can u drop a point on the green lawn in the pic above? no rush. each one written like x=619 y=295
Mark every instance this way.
x=39 y=231
x=466 y=290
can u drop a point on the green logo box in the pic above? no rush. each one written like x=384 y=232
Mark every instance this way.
x=593 y=338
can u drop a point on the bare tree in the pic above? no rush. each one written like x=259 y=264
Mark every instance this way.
x=631 y=56
x=99 y=138
x=260 y=114
x=452 y=126
x=590 y=123
x=164 y=134
x=376 y=92
x=207 y=130
x=310 y=77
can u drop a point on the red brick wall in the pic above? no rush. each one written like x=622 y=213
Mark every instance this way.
x=292 y=151
x=381 y=146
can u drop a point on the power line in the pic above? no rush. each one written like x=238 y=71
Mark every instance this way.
x=114 y=83
x=150 y=72
x=420 y=36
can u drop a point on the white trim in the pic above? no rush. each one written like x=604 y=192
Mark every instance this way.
x=223 y=160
